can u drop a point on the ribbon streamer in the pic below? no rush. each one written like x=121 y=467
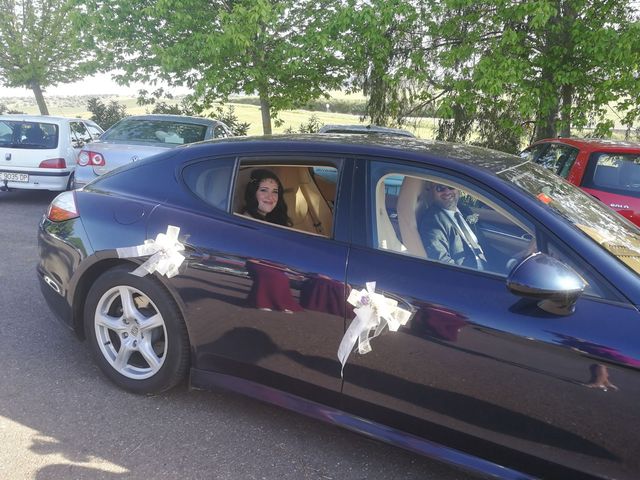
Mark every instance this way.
x=164 y=250
x=373 y=312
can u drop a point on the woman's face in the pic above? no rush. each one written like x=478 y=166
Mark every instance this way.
x=267 y=195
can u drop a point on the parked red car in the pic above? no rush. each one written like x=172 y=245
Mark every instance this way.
x=607 y=169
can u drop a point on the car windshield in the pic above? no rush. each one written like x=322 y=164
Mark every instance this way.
x=616 y=173
x=28 y=135
x=155 y=131
x=608 y=229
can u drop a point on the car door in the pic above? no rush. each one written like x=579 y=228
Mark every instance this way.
x=263 y=302
x=481 y=370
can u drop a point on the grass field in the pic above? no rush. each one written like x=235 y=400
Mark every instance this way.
x=76 y=107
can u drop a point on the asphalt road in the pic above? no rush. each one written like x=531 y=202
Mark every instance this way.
x=60 y=419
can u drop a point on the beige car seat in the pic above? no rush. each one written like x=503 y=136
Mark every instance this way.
x=409 y=202
x=387 y=238
x=307 y=207
x=244 y=174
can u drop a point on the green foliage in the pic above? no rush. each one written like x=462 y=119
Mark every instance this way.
x=555 y=65
x=489 y=68
x=277 y=49
x=166 y=108
x=312 y=125
x=40 y=45
x=380 y=40
x=494 y=72
x=106 y=115
x=230 y=119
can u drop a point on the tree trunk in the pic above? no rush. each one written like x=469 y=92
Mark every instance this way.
x=568 y=19
x=565 y=113
x=265 y=110
x=547 y=124
x=37 y=91
x=548 y=107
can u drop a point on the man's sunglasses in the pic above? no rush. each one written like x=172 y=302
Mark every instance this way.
x=443 y=188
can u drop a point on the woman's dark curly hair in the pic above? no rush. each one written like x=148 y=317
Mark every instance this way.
x=279 y=213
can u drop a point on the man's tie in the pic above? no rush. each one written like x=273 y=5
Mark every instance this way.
x=475 y=246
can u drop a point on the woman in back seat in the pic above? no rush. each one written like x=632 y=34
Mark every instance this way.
x=263 y=198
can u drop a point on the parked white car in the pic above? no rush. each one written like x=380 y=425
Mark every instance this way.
x=39 y=152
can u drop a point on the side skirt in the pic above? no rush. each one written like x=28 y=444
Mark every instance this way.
x=206 y=380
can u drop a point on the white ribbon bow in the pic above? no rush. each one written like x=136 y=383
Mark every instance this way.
x=373 y=312
x=164 y=259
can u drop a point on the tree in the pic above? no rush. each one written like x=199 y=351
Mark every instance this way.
x=494 y=70
x=277 y=49
x=312 y=125
x=230 y=119
x=40 y=46
x=106 y=115
x=382 y=42
x=560 y=63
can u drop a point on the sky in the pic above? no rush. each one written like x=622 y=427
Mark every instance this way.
x=99 y=84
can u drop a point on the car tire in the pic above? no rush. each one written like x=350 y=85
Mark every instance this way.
x=71 y=182
x=141 y=344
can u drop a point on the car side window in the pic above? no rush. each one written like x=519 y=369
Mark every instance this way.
x=443 y=219
x=558 y=158
x=596 y=286
x=409 y=219
x=298 y=195
x=79 y=134
x=94 y=131
x=6 y=134
x=532 y=153
x=220 y=132
x=210 y=180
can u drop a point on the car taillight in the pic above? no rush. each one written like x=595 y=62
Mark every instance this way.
x=53 y=163
x=87 y=157
x=63 y=207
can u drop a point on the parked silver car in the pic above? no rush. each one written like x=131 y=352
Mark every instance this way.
x=38 y=152
x=136 y=137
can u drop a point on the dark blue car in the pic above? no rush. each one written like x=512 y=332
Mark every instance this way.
x=519 y=361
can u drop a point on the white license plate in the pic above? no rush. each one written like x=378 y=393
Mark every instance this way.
x=14 y=177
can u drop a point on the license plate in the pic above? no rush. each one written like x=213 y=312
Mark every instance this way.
x=14 y=177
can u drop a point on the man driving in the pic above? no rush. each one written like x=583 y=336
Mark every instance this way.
x=446 y=235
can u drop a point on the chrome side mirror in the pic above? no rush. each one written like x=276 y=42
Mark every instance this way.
x=544 y=278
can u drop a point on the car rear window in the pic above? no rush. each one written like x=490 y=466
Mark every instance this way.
x=614 y=172
x=28 y=135
x=155 y=131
